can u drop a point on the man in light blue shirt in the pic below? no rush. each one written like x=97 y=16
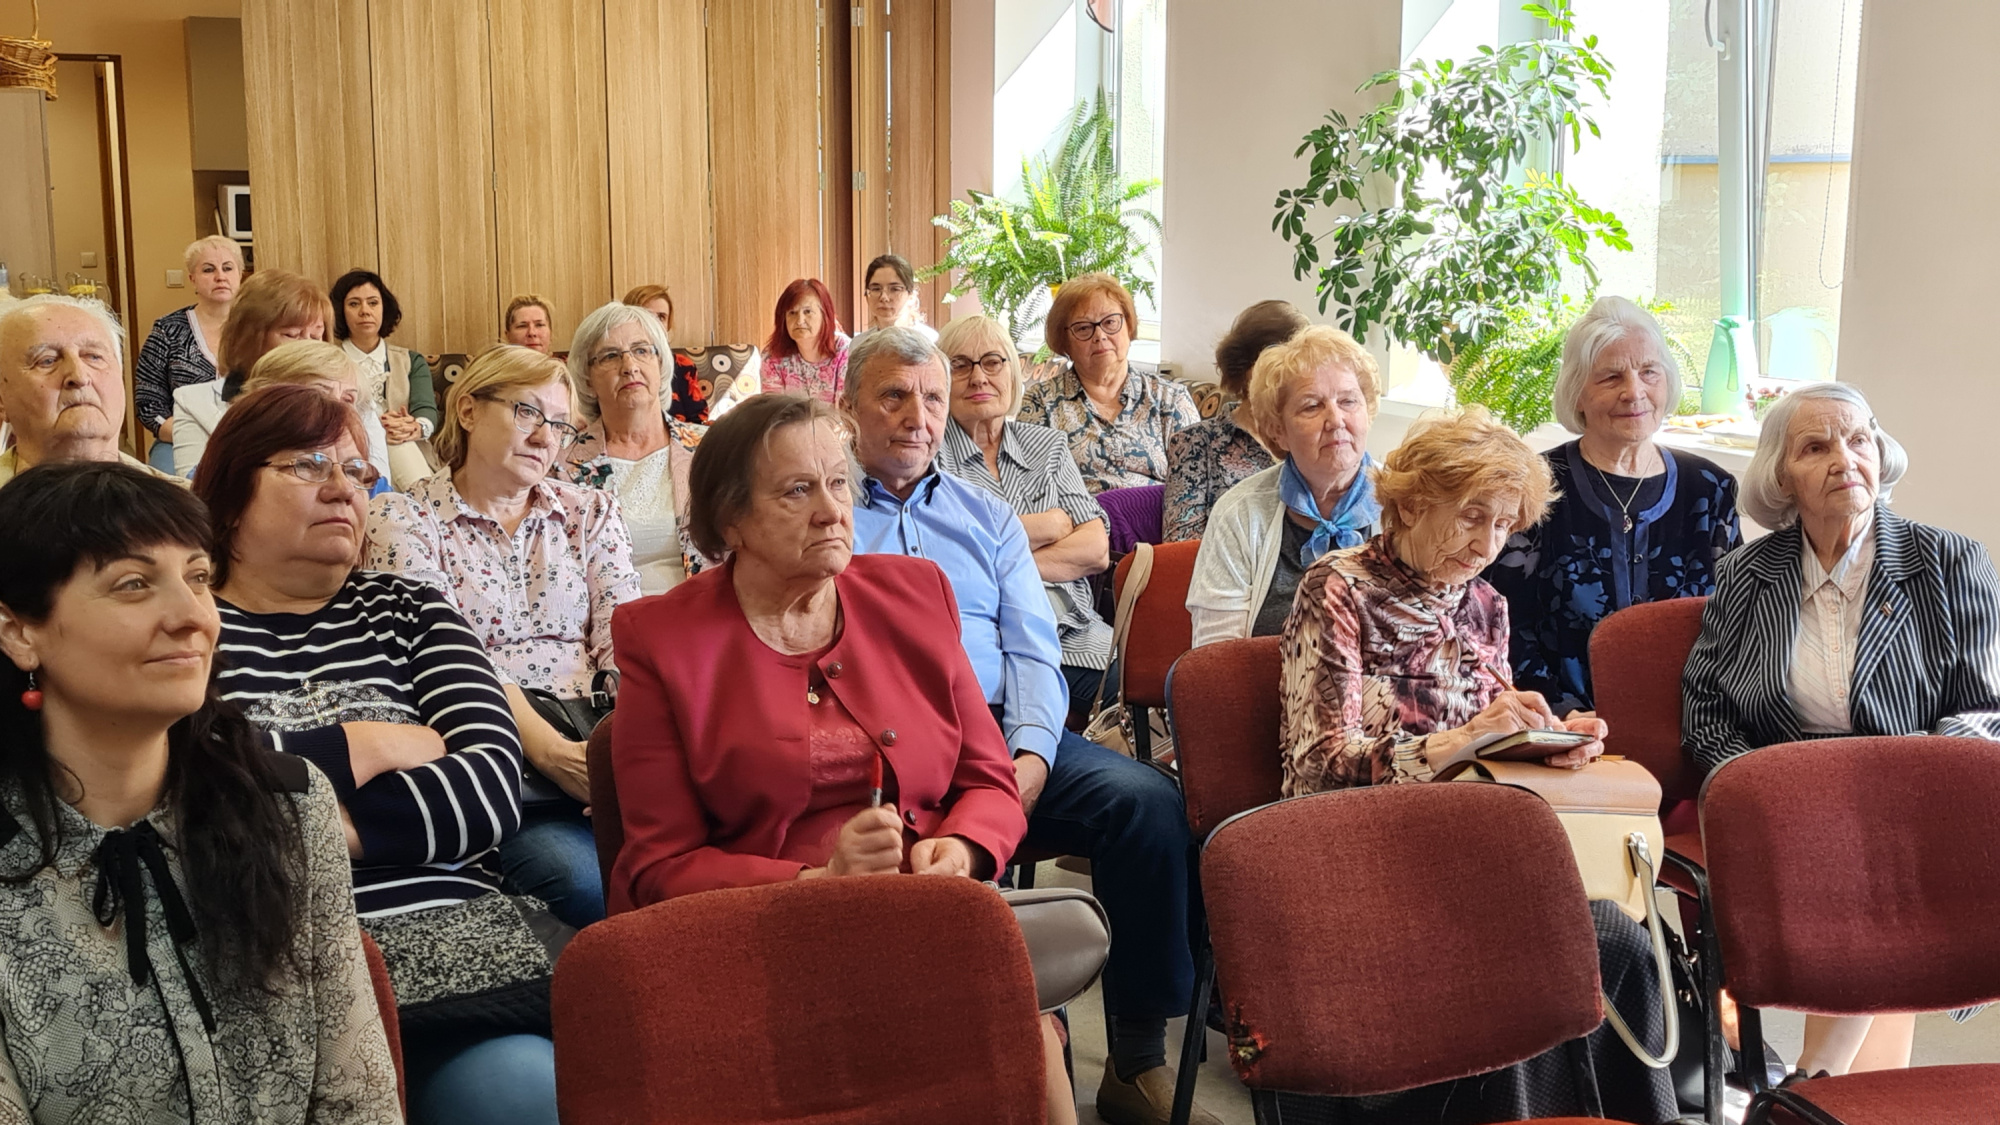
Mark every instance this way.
x=1081 y=798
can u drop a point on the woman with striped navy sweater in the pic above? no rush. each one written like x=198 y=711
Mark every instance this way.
x=371 y=676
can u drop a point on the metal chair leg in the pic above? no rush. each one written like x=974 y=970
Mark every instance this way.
x=1196 y=1037
x=1142 y=734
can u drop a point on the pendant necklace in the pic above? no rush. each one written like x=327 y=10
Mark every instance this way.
x=1625 y=505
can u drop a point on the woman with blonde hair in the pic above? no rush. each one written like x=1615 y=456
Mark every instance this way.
x=182 y=347
x=316 y=363
x=536 y=566
x=1117 y=420
x=688 y=404
x=529 y=323
x=1311 y=400
x=272 y=308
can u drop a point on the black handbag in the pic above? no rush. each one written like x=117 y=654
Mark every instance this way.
x=574 y=719
x=483 y=963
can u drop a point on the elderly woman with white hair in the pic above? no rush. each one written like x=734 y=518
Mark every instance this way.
x=632 y=445
x=1029 y=468
x=1635 y=522
x=1312 y=400
x=1847 y=620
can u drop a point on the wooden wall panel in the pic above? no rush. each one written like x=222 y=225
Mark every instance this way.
x=434 y=172
x=836 y=152
x=551 y=172
x=763 y=92
x=869 y=192
x=920 y=146
x=656 y=103
x=306 y=76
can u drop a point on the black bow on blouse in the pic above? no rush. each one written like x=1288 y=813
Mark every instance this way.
x=120 y=858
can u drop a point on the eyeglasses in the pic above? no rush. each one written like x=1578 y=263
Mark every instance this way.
x=616 y=356
x=1083 y=331
x=890 y=290
x=528 y=418
x=317 y=468
x=993 y=363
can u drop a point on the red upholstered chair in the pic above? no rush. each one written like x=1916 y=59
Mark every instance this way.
x=1161 y=630
x=1509 y=964
x=1636 y=658
x=385 y=999
x=1852 y=876
x=822 y=1002
x=604 y=822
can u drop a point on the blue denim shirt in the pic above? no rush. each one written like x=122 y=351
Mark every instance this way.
x=1007 y=626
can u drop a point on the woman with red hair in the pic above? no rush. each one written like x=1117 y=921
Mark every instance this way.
x=807 y=351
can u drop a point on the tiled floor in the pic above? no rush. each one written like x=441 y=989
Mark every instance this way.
x=1939 y=1041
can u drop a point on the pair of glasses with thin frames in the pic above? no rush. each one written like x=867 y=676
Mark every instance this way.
x=317 y=468
x=528 y=418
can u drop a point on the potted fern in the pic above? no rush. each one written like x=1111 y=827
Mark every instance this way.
x=1078 y=216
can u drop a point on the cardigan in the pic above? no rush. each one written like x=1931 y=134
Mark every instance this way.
x=1238 y=557
x=1927 y=662
x=198 y=409
x=711 y=740
x=173 y=356
x=84 y=1043
x=1579 y=565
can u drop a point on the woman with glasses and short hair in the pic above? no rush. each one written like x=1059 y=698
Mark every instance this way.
x=892 y=296
x=632 y=446
x=1117 y=420
x=536 y=565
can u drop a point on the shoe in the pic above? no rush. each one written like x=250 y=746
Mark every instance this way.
x=1146 y=1100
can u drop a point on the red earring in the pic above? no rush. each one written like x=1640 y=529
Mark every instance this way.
x=32 y=698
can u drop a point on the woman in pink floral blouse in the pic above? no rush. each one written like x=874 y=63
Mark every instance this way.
x=1395 y=656
x=536 y=566
x=807 y=351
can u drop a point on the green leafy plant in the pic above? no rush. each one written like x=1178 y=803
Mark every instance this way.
x=1441 y=242
x=1078 y=216
x=1513 y=371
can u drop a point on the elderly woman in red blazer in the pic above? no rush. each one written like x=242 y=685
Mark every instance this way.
x=763 y=699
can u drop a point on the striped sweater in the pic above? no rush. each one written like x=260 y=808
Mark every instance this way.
x=386 y=649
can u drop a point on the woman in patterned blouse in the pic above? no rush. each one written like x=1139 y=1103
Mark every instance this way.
x=536 y=565
x=632 y=447
x=161 y=966
x=807 y=352
x=1395 y=656
x=1117 y=420
x=1215 y=454
x=182 y=347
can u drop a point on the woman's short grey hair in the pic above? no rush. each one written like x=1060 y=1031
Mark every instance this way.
x=592 y=331
x=1764 y=498
x=977 y=332
x=906 y=346
x=11 y=311
x=1607 y=321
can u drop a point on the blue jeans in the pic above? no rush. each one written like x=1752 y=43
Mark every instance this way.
x=1128 y=818
x=505 y=1080
x=554 y=858
x=161 y=456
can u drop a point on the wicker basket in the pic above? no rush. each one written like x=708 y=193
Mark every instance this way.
x=29 y=62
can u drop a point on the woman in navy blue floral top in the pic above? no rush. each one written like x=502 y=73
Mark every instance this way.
x=1635 y=523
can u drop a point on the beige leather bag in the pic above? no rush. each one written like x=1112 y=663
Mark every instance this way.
x=1111 y=725
x=1068 y=936
x=1611 y=811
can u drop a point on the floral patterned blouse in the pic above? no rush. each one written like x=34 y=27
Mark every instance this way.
x=83 y=1043
x=540 y=600
x=796 y=375
x=652 y=496
x=1204 y=461
x=1128 y=451
x=1375 y=660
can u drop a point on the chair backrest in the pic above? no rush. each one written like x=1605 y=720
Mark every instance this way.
x=1856 y=875
x=605 y=824
x=385 y=1000
x=1135 y=515
x=1636 y=657
x=1161 y=627
x=815 y=1002
x=1353 y=965
x=1225 y=706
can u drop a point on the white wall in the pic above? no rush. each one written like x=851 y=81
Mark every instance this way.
x=1244 y=83
x=1923 y=261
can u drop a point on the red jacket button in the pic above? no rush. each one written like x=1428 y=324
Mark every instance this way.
x=888 y=738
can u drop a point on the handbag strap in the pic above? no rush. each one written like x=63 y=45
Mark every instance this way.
x=1121 y=622
x=1642 y=866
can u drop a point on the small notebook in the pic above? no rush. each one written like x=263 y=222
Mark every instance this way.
x=1521 y=746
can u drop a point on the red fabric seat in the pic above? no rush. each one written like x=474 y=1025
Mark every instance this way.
x=1226 y=714
x=1161 y=627
x=605 y=826
x=1846 y=879
x=385 y=999
x=820 y=1002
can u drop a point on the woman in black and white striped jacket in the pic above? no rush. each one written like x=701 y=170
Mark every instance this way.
x=1849 y=619
x=378 y=681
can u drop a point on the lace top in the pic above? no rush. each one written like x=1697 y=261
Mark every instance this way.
x=86 y=1045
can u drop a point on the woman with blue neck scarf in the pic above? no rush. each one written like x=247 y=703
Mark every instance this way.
x=1311 y=402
